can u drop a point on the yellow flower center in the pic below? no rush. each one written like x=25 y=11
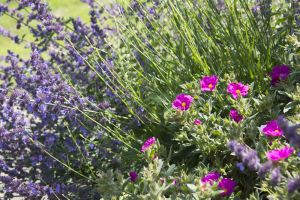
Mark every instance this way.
x=183 y=104
x=210 y=86
x=277 y=131
x=225 y=190
x=238 y=91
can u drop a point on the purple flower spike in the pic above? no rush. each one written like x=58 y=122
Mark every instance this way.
x=234 y=114
x=279 y=73
x=237 y=89
x=248 y=156
x=208 y=83
x=182 y=102
x=293 y=185
x=148 y=144
x=211 y=177
x=227 y=185
x=275 y=176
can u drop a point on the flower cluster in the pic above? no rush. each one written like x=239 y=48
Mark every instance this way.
x=43 y=104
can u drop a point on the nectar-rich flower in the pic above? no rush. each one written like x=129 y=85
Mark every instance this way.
x=275 y=176
x=148 y=144
x=197 y=122
x=279 y=154
x=248 y=156
x=237 y=89
x=182 y=102
x=234 y=114
x=211 y=177
x=133 y=176
x=208 y=83
x=279 y=73
x=293 y=185
x=227 y=185
x=272 y=128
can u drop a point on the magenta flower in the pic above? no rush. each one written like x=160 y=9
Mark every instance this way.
x=272 y=129
x=237 y=89
x=133 y=176
x=182 y=102
x=208 y=83
x=211 y=177
x=227 y=185
x=197 y=122
x=279 y=73
x=279 y=154
x=174 y=182
x=148 y=144
x=234 y=114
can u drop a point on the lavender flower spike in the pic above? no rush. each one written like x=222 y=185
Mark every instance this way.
x=293 y=185
x=290 y=132
x=247 y=155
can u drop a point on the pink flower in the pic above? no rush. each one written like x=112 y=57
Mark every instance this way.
x=197 y=122
x=208 y=83
x=182 y=102
x=133 y=176
x=174 y=182
x=227 y=185
x=234 y=114
x=279 y=73
x=237 y=89
x=148 y=144
x=272 y=129
x=279 y=154
x=211 y=177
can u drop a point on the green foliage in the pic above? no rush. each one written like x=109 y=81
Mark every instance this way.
x=166 y=53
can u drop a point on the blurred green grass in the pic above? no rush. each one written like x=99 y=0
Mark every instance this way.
x=61 y=8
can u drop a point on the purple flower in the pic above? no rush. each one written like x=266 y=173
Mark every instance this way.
x=227 y=185
x=182 y=102
x=279 y=154
x=197 y=122
x=174 y=182
x=247 y=155
x=265 y=168
x=210 y=178
x=275 y=176
x=237 y=89
x=279 y=73
x=290 y=131
x=133 y=176
x=272 y=128
x=148 y=144
x=234 y=114
x=208 y=83
x=293 y=185
x=240 y=166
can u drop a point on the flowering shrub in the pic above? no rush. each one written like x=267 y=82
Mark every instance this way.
x=152 y=100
